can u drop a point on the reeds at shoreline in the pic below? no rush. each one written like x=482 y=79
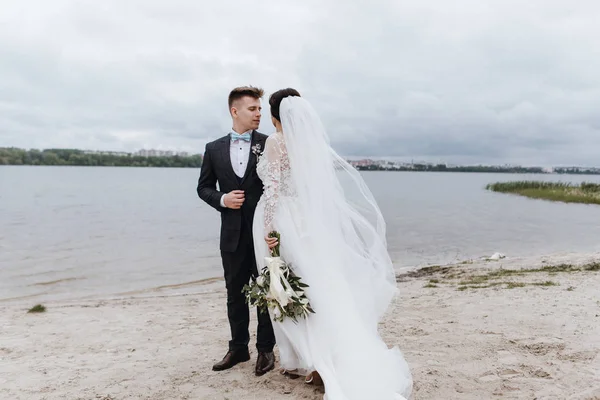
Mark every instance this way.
x=586 y=193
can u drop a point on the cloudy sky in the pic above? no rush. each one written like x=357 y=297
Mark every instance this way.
x=462 y=81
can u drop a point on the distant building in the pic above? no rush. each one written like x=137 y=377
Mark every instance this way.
x=107 y=153
x=361 y=163
x=161 y=153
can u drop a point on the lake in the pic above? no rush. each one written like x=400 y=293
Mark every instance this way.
x=73 y=232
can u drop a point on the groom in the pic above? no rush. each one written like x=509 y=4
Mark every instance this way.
x=230 y=162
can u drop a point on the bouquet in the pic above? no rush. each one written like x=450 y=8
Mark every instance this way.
x=278 y=289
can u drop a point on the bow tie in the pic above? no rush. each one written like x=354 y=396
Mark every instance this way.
x=243 y=136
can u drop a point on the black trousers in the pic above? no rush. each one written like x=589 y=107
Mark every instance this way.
x=239 y=266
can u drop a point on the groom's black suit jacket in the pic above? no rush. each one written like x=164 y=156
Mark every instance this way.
x=217 y=169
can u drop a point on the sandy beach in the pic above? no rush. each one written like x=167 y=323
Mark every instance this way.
x=475 y=330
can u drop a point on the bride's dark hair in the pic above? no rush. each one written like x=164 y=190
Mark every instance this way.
x=275 y=100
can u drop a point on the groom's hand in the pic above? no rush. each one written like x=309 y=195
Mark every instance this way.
x=234 y=199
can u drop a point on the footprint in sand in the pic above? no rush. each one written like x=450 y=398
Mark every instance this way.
x=543 y=347
x=535 y=372
x=507 y=358
x=412 y=331
x=489 y=376
x=506 y=373
x=509 y=373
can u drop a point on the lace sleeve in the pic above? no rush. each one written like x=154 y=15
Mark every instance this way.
x=273 y=181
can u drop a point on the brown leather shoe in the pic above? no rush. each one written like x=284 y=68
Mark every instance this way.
x=264 y=363
x=232 y=358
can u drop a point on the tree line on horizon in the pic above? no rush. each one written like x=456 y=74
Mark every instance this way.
x=75 y=157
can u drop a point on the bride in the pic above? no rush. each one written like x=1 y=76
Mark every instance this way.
x=333 y=234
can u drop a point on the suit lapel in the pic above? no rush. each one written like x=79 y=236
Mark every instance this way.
x=251 y=156
x=226 y=156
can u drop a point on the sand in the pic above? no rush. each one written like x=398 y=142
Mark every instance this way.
x=531 y=342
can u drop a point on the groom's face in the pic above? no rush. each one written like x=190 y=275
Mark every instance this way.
x=247 y=112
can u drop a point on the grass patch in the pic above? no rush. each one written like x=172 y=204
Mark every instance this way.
x=424 y=272
x=475 y=280
x=466 y=279
x=550 y=269
x=37 y=309
x=586 y=193
x=497 y=278
x=592 y=267
x=481 y=286
x=547 y=283
x=506 y=285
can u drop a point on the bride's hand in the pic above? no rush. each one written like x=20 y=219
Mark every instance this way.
x=271 y=242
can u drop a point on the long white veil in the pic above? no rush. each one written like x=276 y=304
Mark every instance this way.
x=336 y=205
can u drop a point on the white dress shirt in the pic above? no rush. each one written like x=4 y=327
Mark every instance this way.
x=239 y=152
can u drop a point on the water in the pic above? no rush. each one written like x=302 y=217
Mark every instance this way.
x=71 y=232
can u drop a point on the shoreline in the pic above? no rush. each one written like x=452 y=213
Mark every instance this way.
x=521 y=343
x=467 y=169
x=215 y=282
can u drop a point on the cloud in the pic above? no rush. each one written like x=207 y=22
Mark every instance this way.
x=462 y=81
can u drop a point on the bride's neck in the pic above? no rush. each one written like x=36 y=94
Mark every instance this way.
x=278 y=126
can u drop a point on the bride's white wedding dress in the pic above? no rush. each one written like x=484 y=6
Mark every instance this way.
x=333 y=234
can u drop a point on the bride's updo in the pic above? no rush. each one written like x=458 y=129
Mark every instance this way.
x=275 y=100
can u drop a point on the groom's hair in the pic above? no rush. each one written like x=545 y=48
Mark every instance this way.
x=244 y=91
x=277 y=97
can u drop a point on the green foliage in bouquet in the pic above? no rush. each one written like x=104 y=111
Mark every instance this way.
x=259 y=294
